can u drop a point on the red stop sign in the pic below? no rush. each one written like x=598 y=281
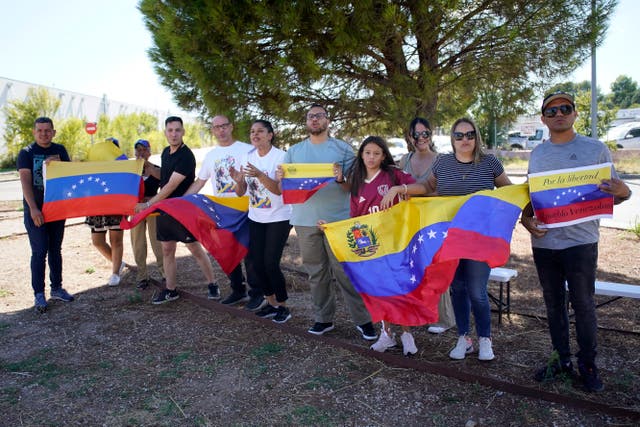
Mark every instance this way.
x=91 y=128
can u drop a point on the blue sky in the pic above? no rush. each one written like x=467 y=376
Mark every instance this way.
x=99 y=47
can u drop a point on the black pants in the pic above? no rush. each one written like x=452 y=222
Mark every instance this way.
x=266 y=244
x=577 y=267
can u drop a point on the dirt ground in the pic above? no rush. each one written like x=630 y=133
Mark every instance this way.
x=112 y=358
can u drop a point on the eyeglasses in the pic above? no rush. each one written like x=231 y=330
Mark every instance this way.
x=565 y=109
x=424 y=134
x=318 y=116
x=222 y=126
x=458 y=136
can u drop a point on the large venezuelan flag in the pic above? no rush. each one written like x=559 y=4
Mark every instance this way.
x=302 y=180
x=220 y=224
x=76 y=189
x=569 y=196
x=402 y=259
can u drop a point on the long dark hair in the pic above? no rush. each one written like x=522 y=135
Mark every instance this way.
x=358 y=172
x=412 y=128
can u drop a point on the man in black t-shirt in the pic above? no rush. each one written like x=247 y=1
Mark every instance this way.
x=45 y=238
x=177 y=173
x=151 y=182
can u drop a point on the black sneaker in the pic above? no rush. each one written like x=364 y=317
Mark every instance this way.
x=235 y=298
x=282 y=315
x=255 y=303
x=590 y=378
x=214 y=291
x=142 y=284
x=165 y=296
x=553 y=370
x=267 y=311
x=368 y=332
x=319 y=328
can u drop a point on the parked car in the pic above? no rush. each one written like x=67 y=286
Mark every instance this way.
x=626 y=135
x=517 y=141
x=397 y=148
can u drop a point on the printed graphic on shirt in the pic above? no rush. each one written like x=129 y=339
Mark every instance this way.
x=38 y=178
x=258 y=194
x=224 y=182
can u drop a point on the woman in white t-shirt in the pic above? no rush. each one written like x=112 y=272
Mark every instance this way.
x=268 y=218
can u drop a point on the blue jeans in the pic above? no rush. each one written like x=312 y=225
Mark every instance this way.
x=577 y=267
x=46 y=244
x=469 y=292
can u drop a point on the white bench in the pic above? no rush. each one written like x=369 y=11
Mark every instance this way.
x=503 y=277
x=616 y=290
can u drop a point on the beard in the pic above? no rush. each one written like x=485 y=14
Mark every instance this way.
x=319 y=130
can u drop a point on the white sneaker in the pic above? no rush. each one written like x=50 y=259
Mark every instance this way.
x=408 y=343
x=384 y=342
x=122 y=267
x=437 y=329
x=485 y=351
x=463 y=347
x=114 y=280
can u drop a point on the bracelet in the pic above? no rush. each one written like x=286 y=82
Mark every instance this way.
x=624 y=199
x=405 y=188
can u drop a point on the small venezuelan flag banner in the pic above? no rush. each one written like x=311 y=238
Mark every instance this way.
x=76 y=189
x=220 y=224
x=303 y=180
x=569 y=196
x=105 y=150
x=402 y=259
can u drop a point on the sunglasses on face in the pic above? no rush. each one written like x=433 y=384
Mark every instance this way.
x=424 y=134
x=458 y=136
x=565 y=109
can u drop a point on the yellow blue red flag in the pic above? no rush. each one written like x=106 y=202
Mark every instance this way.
x=402 y=259
x=76 y=189
x=569 y=196
x=220 y=224
x=301 y=180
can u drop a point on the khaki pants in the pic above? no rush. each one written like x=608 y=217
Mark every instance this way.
x=446 y=318
x=139 y=246
x=322 y=266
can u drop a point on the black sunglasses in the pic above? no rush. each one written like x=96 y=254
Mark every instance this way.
x=459 y=135
x=565 y=109
x=424 y=134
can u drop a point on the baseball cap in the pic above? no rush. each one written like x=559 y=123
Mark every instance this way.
x=557 y=95
x=142 y=142
x=115 y=141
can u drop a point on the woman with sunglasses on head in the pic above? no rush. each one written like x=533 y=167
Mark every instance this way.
x=467 y=170
x=418 y=163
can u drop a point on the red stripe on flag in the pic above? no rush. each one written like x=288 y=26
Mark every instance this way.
x=575 y=211
x=113 y=204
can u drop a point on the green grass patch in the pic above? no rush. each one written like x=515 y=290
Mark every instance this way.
x=135 y=298
x=5 y=293
x=41 y=371
x=321 y=382
x=635 y=229
x=176 y=369
x=90 y=270
x=269 y=349
x=10 y=395
x=309 y=415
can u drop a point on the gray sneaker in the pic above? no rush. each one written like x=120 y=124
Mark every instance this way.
x=41 y=303
x=62 y=295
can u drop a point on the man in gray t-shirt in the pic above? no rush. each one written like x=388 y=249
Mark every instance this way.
x=569 y=255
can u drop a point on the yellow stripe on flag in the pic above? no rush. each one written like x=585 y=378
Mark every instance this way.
x=57 y=169
x=307 y=170
x=237 y=203
x=399 y=224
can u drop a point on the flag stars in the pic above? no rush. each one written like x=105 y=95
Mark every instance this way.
x=413 y=278
x=444 y=234
x=420 y=238
x=432 y=234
